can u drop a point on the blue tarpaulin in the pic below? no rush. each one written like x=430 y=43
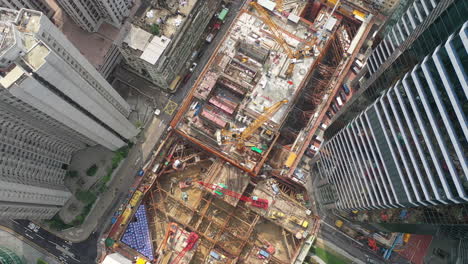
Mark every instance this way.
x=137 y=235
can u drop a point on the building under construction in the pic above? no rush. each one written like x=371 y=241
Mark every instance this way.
x=221 y=189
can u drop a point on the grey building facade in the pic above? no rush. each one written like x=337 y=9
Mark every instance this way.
x=89 y=15
x=402 y=141
x=52 y=103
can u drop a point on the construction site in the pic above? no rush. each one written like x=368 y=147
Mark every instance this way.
x=219 y=190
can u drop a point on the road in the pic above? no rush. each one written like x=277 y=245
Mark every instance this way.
x=183 y=89
x=86 y=251
x=359 y=250
x=64 y=251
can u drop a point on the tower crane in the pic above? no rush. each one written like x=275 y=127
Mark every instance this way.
x=265 y=17
x=240 y=138
x=254 y=201
x=277 y=35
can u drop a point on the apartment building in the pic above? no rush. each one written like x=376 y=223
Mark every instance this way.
x=402 y=141
x=52 y=103
x=89 y=15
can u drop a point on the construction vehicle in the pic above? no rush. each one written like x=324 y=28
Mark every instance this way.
x=276 y=215
x=220 y=189
x=240 y=137
x=191 y=241
x=300 y=222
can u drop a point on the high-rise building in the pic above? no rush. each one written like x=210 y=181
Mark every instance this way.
x=401 y=142
x=40 y=5
x=162 y=59
x=89 y=15
x=52 y=103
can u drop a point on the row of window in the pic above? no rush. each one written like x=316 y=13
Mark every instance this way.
x=24 y=212
x=83 y=72
x=69 y=139
x=57 y=147
x=14 y=195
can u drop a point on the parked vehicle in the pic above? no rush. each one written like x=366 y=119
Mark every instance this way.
x=210 y=37
x=339 y=101
x=276 y=214
x=223 y=14
x=334 y=108
x=329 y=114
x=300 y=222
x=192 y=68
x=343 y=96
x=186 y=78
x=346 y=89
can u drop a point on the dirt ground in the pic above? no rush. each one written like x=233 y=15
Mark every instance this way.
x=271 y=233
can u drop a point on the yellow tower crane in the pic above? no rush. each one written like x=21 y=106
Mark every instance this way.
x=240 y=138
x=277 y=35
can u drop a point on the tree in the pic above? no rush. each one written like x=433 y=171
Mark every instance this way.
x=91 y=171
x=155 y=30
x=86 y=197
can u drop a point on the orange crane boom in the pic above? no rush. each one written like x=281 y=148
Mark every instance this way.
x=265 y=17
x=242 y=137
x=191 y=241
x=256 y=202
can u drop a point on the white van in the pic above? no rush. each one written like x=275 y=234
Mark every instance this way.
x=339 y=101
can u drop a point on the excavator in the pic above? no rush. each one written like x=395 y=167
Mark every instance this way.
x=240 y=136
x=277 y=35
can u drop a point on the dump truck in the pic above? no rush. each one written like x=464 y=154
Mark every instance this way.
x=276 y=215
x=300 y=222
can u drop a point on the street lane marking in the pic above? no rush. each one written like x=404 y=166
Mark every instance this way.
x=170 y=107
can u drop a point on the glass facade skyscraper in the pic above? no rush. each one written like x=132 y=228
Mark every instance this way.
x=401 y=142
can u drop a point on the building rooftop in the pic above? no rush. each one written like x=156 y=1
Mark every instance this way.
x=150 y=35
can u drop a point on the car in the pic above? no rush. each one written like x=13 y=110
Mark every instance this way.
x=157 y=112
x=339 y=101
x=329 y=114
x=186 y=78
x=346 y=89
x=210 y=37
x=343 y=96
x=334 y=108
x=192 y=68
x=33 y=227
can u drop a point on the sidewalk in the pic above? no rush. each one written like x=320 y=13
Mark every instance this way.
x=119 y=186
x=332 y=247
